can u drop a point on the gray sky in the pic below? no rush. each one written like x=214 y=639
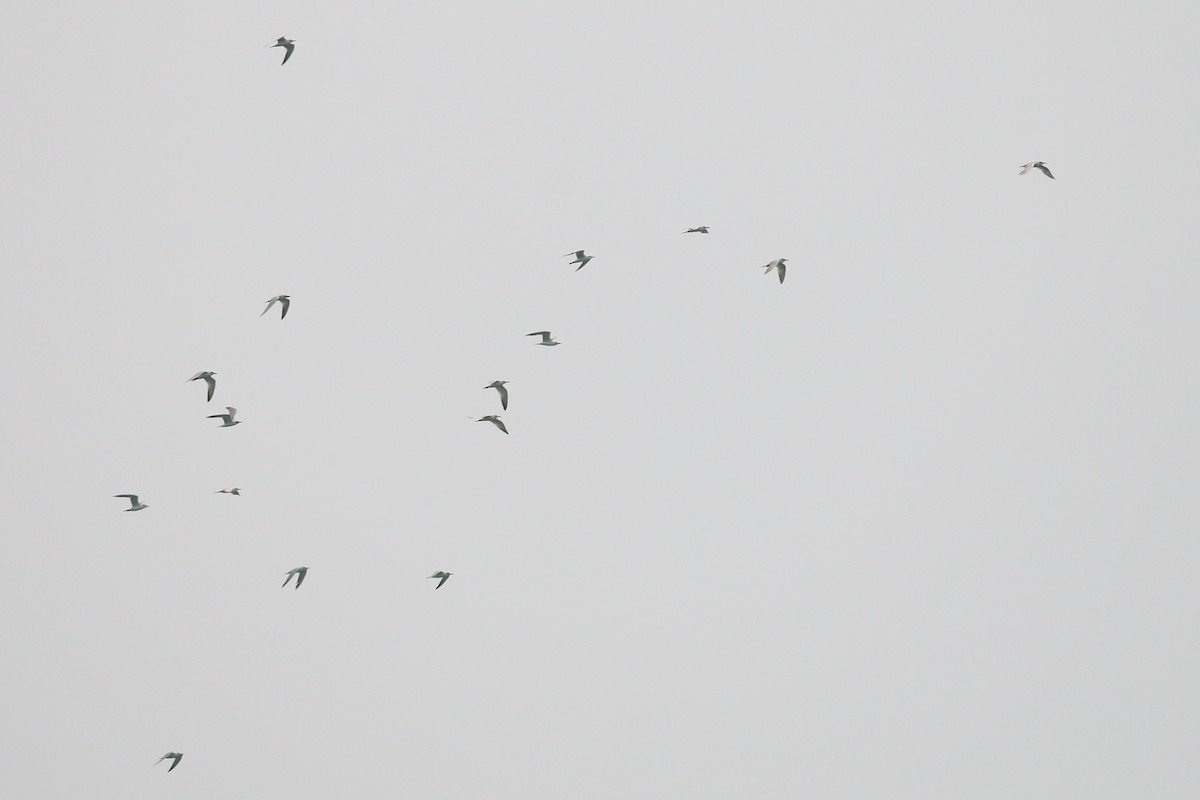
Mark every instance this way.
x=919 y=523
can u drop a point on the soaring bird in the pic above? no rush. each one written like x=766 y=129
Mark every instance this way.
x=443 y=575
x=299 y=572
x=499 y=387
x=777 y=265
x=207 y=377
x=290 y=44
x=495 y=420
x=175 y=760
x=581 y=258
x=698 y=229
x=232 y=490
x=283 y=300
x=546 y=340
x=229 y=420
x=1036 y=165
x=134 y=503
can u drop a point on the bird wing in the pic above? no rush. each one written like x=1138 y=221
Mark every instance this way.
x=212 y=386
x=503 y=397
x=445 y=577
x=232 y=412
x=197 y=376
x=782 y=271
x=300 y=577
x=543 y=334
x=133 y=498
x=286 y=301
x=496 y=421
x=270 y=303
x=1046 y=170
x=1025 y=168
x=175 y=764
x=289 y=578
x=289 y=47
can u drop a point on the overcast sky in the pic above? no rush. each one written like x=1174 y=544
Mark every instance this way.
x=918 y=523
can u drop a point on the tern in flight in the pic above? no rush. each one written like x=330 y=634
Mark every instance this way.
x=499 y=387
x=777 y=265
x=290 y=44
x=581 y=258
x=443 y=575
x=1036 y=165
x=698 y=229
x=134 y=503
x=546 y=340
x=175 y=760
x=283 y=300
x=229 y=420
x=207 y=377
x=299 y=572
x=232 y=490
x=492 y=418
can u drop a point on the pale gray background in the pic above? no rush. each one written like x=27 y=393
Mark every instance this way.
x=919 y=523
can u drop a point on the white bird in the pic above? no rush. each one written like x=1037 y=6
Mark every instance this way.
x=283 y=300
x=229 y=420
x=299 y=572
x=495 y=420
x=499 y=387
x=546 y=340
x=443 y=575
x=1036 y=165
x=134 y=504
x=777 y=265
x=231 y=490
x=698 y=229
x=207 y=377
x=290 y=44
x=581 y=258
x=174 y=762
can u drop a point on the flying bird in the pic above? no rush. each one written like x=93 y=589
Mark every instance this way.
x=1036 y=165
x=134 y=503
x=283 y=300
x=232 y=490
x=777 y=265
x=499 y=387
x=290 y=44
x=495 y=420
x=581 y=258
x=443 y=575
x=546 y=340
x=698 y=229
x=207 y=377
x=299 y=572
x=229 y=420
x=174 y=762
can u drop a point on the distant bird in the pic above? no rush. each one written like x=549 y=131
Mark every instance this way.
x=174 y=763
x=299 y=572
x=290 y=44
x=495 y=420
x=777 y=265
x=443 y=575
x=1036 y=165
x=581 y=258
x=700 y=229
x=499 y=387
x=134 y=504
x=207 y=377
x=283 y=300
x=546 y=340
x=229 y=420
x=233 y=490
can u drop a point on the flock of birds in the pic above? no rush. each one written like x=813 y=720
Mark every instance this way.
x=580 y=257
